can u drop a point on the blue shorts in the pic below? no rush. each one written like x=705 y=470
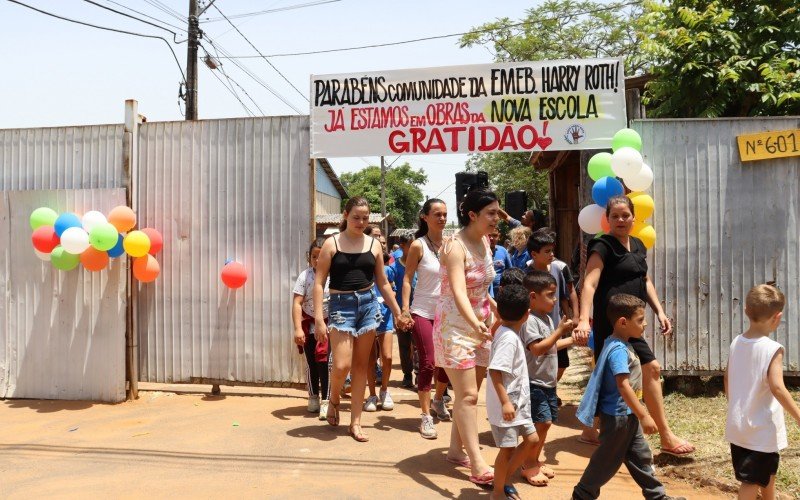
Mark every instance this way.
x=544 y=404
x=387 y=323
x=355 y=313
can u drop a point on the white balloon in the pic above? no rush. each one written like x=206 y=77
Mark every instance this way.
x=642 y=180
x=75 y=240
x=44 y=256
x=590 y=217
x=91 y=219
x=626 y=162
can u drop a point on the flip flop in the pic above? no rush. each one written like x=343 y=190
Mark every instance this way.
x=484 y=479
x=333 y=418
x=462 y=462
x=510 y=492
x=682 y=450
x=358 y=436
x=538 y=480
x=593 y=442
x=547 y=471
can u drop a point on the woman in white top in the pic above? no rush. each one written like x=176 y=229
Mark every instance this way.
x=423 y=259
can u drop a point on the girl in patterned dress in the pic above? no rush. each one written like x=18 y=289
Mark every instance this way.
x=460 y=330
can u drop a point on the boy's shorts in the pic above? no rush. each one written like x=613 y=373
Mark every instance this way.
x=754 y=467
x=387 y=323
x=508 y=437
x=544 y=404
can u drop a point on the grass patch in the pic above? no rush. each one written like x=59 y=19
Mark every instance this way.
x=701 y=420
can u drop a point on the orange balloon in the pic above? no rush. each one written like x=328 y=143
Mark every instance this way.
x=604 y=224
x=122 y=218
x=94 y=259
x=146 y=269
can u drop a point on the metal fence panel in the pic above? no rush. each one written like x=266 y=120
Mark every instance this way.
x=223 y=189
x=723 y=226
x=62 y=334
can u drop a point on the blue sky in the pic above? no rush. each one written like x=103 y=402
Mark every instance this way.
x=57 y=73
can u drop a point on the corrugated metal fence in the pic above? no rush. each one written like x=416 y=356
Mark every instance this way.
x=723 y=226
x=223 y=189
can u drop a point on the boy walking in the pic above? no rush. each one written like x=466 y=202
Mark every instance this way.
x=542 y=343
x=612 y=392
x=507 y=394
x=757 y=397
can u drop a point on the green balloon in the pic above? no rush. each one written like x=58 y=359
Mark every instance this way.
x=600 y=166
x=43 y=216
x=626 y=138
x=64 y=260
x=104 y=237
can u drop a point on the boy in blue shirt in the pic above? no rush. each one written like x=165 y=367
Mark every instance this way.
x=613 y=392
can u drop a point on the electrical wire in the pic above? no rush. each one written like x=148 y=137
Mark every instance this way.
x=232 y=81
x=165 y=9
x=261 y=12
x=262 y=55
x=147 y=16
x=232 y=91
x=436 y=37
x=174 y=35
x=106 y=29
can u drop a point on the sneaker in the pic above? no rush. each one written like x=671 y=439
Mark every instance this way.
x=313 y=404
x=446 y=397
x=408 y=382
x=426 y=428
x=371 y=404
x=346 y=389
x=323 y=410
x=385 y=401
x=440 y=409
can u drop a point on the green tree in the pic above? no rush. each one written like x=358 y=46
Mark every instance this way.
x=722 y=58
x=512 y=172
x=403 y=194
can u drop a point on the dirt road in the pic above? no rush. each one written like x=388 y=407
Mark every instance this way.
x=252 y=446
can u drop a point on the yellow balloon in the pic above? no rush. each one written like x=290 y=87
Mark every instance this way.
x=638 y=225
x=648 y=236
x=136 y=244
x=643 y=205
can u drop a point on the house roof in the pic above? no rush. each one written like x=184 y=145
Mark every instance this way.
x=334 y=178
x=374 y=218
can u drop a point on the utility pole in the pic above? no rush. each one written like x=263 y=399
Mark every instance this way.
x=385 y=224
x=191 y=61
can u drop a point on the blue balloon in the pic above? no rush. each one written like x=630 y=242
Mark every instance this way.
x=118 y=249
x=606 y=188
x=66 y=221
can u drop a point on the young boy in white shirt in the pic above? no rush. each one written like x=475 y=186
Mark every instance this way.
x=755 y=426
x=508 y=393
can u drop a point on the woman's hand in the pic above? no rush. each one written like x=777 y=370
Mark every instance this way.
x=581 y=332
x=482 y=331
x=299 y=337
x=320 y=330
x=666 y=324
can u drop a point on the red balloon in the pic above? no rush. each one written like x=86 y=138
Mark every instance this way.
x=234 y=275
x=45 y=239
x=156 y=241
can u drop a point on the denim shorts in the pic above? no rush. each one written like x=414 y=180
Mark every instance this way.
x=355 y=313
x=544 y=404
x=387 y=323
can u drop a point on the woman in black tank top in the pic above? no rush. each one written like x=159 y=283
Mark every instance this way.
x=354 y=264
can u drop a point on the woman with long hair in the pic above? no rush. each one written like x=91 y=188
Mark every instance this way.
x=423 y=260
x=461 y=335
x=354 y=263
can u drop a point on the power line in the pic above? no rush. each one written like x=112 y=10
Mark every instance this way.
x=232 y=81
x=253 y=76
x=262 y=55
x=167 y=10
x=147 y=16
x=279 y=9
x=436 y=37
x=106 y=29
x=232 y=91
x=174 y=35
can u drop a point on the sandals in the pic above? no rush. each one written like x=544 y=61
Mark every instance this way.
x=358 y=436
x=538 y=479
x=685 y=448
x=333 y=418
x=462 y=462
x=484 y=479
x=511 y=492
x=547 y=471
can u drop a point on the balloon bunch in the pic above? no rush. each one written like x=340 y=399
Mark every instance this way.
x=605 y=168
x=67 y=240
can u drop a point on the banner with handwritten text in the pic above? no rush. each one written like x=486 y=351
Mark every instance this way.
x=503 y=107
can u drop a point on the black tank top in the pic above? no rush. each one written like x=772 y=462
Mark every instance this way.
x=352 y=271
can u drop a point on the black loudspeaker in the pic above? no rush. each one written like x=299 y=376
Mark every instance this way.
x=465 y=181
x=516 y=203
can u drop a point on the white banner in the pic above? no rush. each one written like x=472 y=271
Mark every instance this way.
x=503 y=107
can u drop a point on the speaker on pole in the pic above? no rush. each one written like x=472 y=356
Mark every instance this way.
x=516 y=203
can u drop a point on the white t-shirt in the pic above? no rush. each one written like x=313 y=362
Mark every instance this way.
x=305 y=286
x=755 y=418
x=508 y=356
x=542 y=369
